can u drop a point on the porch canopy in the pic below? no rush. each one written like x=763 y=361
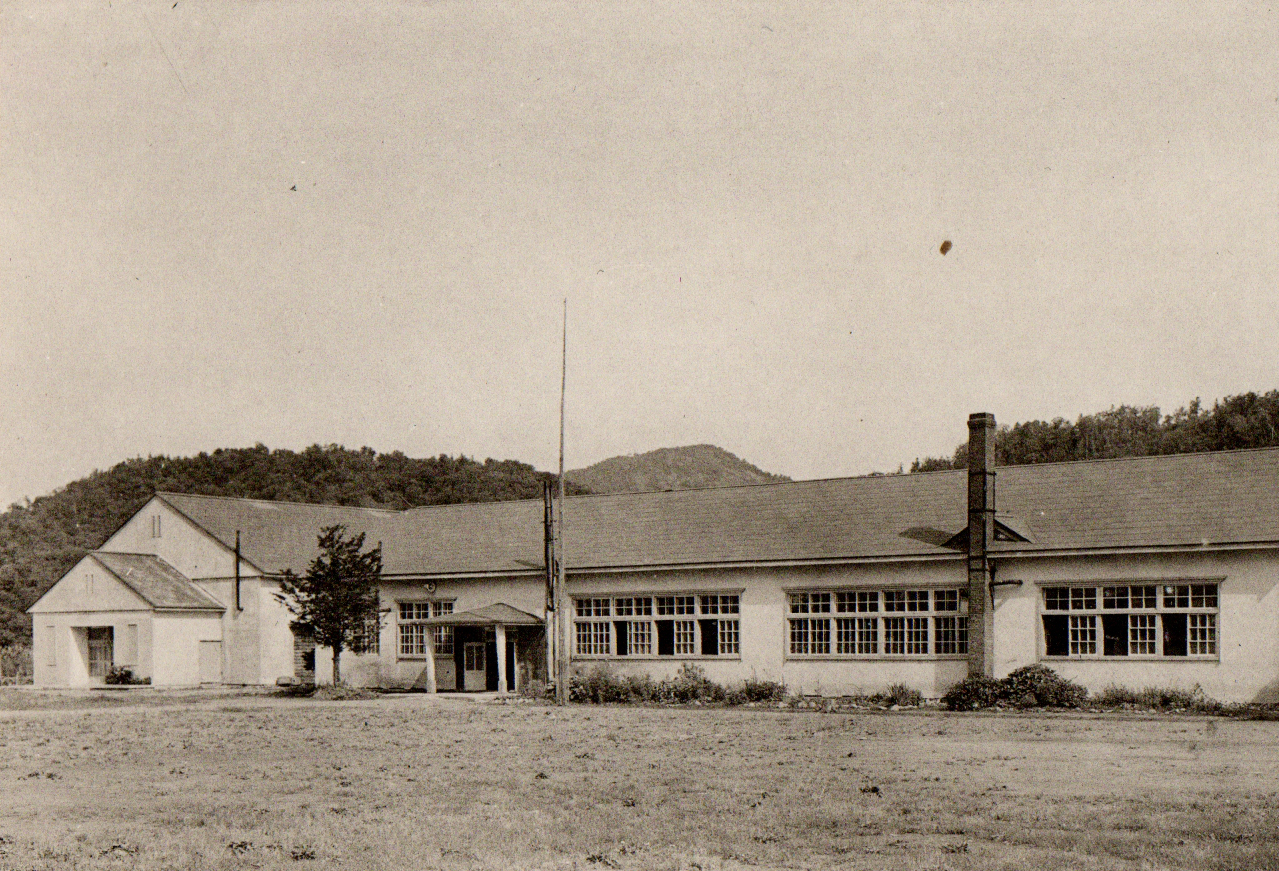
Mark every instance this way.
x=499 y=616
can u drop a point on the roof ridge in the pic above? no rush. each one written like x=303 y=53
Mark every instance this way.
x=169 y=493
x=872 y=476
x=434 y=505
x=1141 y=457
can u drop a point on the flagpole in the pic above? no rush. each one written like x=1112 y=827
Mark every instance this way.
x=561 y=597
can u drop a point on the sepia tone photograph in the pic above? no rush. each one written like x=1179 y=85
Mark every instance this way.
x=677 y=435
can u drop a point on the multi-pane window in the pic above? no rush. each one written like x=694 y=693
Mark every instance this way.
x=686 y=624
x=593 y=638
x=1177 y=619
x=365 y=638
x=878 y=623
x=414 y=632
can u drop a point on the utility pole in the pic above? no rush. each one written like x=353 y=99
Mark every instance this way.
x=561 y=596
x=548 y=552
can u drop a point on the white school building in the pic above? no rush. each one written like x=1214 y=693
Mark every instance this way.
x=1150 y=571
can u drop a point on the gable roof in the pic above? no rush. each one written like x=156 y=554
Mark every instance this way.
x=1181 y=501
x=159 y=584
x=275 y=535
x=489 y=615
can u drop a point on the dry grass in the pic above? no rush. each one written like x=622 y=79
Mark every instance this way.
x=418 y=782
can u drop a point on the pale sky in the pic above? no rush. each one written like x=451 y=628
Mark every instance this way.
x=742 y=203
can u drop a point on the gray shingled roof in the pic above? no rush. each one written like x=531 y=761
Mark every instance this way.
x=157 y=582
x=488 y=616
x=276 y=535
x=1187 y=500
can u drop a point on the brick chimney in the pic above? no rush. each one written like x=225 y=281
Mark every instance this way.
x=981 y=532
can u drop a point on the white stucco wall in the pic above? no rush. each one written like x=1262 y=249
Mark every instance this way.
x=181 y=544
x=765 y=628
x=88 y=595
x=176 y=641
x=259 y=643
x=60 y=645
x=1248 y=621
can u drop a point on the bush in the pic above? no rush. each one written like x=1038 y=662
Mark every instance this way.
x=600 y=686
x=972 y=693
x=899 y=694
x=1160 y=699
x=690 y=685
x=1032 y=686
x=15 y=664
x=753 y=691
x=120 y=675
x=1040 y=686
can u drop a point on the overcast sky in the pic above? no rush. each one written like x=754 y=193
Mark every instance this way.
x=227 y=223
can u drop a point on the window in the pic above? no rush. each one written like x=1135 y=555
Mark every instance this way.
x=413 y=631
x=1113 y=620
x=88 y=583
x=593 y=639
x=685 y=624
x=51 y=646
x=950 y=635
x=155 y=525
x=365 y=638
x=878 y=623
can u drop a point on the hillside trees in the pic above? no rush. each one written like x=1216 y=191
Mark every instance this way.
x=42 y=539
x=1249 y=420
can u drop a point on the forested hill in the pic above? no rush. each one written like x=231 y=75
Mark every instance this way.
x=1248 y=420
x=683 y=468
x=41 y=540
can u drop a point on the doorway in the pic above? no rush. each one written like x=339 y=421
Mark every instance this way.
x=101 y=652
x=474 y=667
x=210 y=662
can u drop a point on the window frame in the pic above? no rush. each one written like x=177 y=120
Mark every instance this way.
x=1144 y=602
x=890 y=617
x=441 y=638
x=698 y=619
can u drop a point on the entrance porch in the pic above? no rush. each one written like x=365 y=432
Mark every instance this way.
x=497 y=648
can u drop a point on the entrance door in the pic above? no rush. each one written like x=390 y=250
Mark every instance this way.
x=101 y=652
x=474 y=670
x=210 y=662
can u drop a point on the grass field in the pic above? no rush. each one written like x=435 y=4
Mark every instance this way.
x=409 y=782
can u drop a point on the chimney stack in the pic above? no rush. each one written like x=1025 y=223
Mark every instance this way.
x=981 y=532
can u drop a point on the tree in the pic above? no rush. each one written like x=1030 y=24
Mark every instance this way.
x=337 y=599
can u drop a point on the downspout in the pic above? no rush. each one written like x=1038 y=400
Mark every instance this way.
x=238 y=606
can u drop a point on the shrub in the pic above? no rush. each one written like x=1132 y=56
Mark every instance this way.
x=15 y=664
x=120 y=675
x=1160 y=699
x=1115 y=696
x=1029 y=686
x=899 y=694
x=600 y=686
x=1040 y=686
x=690 y=685
x=972 y=693
x=753 y=690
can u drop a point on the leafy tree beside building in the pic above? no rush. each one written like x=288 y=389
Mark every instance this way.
x=336 y=601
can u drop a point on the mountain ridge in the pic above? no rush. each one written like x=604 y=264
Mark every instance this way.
x=689 y=467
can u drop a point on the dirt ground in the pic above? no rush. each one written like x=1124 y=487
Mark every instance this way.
x=157 y=781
